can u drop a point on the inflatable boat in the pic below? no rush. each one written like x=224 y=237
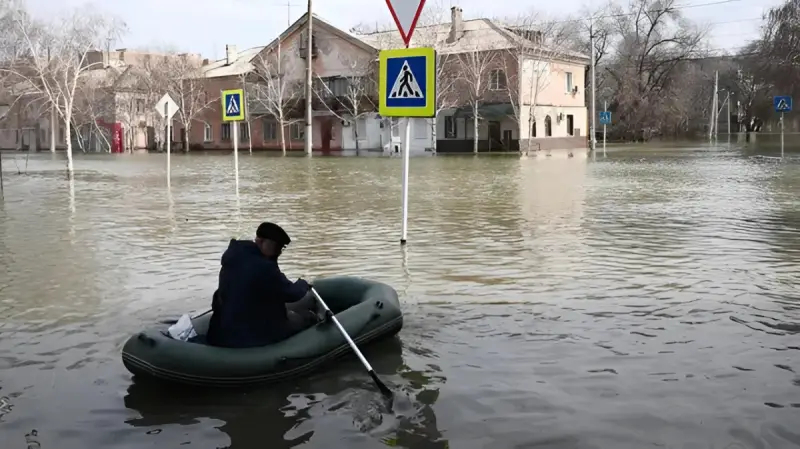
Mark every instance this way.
x=368 y=310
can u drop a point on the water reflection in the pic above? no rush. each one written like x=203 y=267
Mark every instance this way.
x=310 y=410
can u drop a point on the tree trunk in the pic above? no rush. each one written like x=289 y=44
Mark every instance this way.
x=68 y=137
x=250 y=137
x=355 y=133
x=434 y=122
x=283 y=135
x=188 y=128
x=53 y=128
x=475 y=127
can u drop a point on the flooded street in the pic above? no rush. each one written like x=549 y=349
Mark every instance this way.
x=648 y=299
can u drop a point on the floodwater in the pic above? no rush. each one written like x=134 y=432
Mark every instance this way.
x=646 y=299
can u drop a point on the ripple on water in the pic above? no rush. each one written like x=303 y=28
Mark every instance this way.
x=631 y=302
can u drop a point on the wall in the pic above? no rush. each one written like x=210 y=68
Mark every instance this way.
x=335 y=55
x=27 y=125
x=546 y=82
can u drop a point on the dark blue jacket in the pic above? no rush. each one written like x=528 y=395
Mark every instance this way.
x=250 y=303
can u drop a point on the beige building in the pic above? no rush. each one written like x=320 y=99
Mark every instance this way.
x=113 y=109
x=531 y=97
x=528 y=96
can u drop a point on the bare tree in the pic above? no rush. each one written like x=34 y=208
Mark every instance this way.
x=475 y=65
x=536 y=45
x=182 y=77
x=654 y=40
x=431 y=33
x=57 y=57
x=351 y=97
x=94 y=109
x=272 y=92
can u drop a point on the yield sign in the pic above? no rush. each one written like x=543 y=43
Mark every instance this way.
x=405 y=14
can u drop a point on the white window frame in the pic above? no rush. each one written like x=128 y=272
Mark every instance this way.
x=498 y=80
x=208 y=133
x=568 y=81
x=298 y=131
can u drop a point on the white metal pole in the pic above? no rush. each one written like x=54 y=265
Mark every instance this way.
x=729 y=114
x=406 y=155
x=235 y=126
x=782 y=128
x=169 y=143
x=309 y=60
x=592 y=128
x=605 y=109
x=716 y=104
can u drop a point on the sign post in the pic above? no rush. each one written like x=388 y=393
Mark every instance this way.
x=783 y=104
x=233 y=113
x=407 y=83
x=167 y=108
x=605 y=119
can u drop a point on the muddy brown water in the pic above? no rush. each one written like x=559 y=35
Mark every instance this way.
x=648 y=299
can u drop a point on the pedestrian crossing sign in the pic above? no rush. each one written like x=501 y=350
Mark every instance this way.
x=407 y=83
x=232 y=105
x=782 y=103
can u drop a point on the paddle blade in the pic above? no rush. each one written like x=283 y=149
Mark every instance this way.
x=383 y=388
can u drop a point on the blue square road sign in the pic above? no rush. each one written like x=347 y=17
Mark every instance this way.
x=605 y=117
x=782 y=103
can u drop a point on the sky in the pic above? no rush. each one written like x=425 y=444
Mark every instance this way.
x=206 y=26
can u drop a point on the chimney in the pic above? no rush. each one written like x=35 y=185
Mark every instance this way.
x=230 y=54
x=456 y=24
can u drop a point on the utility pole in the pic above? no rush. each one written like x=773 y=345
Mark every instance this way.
x=309 y=129
x=712 y=120
x=729 y=114
x=716 y=104
x=593 y=140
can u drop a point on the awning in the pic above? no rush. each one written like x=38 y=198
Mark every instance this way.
x=487 y=111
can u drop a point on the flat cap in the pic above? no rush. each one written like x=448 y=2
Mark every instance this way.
x=271 y=231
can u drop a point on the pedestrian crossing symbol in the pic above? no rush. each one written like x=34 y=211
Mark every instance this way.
x=407 y=82
x=406 y=86
x=782 y=103
x=232 y=105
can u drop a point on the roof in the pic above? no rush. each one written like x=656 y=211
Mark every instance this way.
x=318 y=21
x=476 y=35
x=240 y=66
x=244 y=60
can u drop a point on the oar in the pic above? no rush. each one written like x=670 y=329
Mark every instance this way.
x=170 y=322
x=328 y=314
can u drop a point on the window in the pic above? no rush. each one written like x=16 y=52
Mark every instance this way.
x=450 y=128
x=568 y=78
x=244 y=131
x=497 y=80
x=43 y=135
x=16 y=136
x=548 y=127
x=336 y=87
x=298 y=131
x=139 y=106
x=61 y=134
x=270 y=129
x=207 y=136
x=570 y=125
x=225 y=131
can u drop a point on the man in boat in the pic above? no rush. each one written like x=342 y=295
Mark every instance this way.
x=255 y=303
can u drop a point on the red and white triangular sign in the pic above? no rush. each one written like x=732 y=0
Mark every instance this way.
x=405 y=14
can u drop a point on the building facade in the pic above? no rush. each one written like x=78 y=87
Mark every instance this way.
x=529 y=97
